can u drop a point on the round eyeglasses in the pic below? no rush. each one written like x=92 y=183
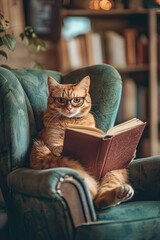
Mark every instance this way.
x=75 y=102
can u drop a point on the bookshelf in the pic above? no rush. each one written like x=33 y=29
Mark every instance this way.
x=143 y=76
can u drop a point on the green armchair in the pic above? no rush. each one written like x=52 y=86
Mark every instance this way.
x=55 y=203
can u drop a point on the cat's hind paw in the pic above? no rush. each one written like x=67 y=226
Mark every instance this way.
x=124 y=193
x=114 y=197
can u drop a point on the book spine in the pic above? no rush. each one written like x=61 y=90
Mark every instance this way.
x=129 y=99
x=142 y=49
x=114 y=43
x=130 y=37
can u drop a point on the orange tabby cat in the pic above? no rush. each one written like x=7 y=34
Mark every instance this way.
x=71 y=104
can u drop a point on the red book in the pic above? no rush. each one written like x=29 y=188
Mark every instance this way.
x=101 y=152
x=130 y=37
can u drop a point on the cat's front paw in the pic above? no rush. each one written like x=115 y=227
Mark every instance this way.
x=57 y=151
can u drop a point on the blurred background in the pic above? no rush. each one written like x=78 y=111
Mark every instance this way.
x=74 y=33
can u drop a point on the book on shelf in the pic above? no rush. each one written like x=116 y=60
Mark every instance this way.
x=142 y=102
x=142 y=49
x=159 y=102
x=158 y=49
x=63 y=55
x=82 y=50
x=101 y=152
x=115 y=49
x=129 y=99
x=94 y=48
x=74 y=53
x=130 y=35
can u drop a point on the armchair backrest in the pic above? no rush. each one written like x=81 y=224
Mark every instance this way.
x=23 y=99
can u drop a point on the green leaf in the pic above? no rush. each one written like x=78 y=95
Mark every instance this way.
x=38 y=66
x=40 y=45
x=9 y=41
x=3 y=54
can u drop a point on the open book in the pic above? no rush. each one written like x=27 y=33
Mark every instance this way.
x=101 y=152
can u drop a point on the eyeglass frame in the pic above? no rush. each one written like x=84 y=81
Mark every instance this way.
x=69 y=100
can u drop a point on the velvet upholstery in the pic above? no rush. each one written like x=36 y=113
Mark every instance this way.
x=56 y=203
x=136 y=219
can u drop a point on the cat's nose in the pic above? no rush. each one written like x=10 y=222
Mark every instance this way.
x=68 y=108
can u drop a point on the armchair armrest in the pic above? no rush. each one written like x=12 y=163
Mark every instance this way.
x=58 y=195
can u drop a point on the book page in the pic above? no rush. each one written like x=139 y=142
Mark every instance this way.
x=124 y=126
x=86 y=129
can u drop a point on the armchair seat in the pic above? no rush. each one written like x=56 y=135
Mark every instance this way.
x=56 y=203
x=3 y=218
x=128 y=221
x=131 y=212
x=133 y=220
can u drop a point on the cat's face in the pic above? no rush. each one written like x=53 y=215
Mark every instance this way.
x=69 y=100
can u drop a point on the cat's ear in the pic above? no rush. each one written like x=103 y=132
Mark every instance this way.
x=52 y=83
x=84 y=83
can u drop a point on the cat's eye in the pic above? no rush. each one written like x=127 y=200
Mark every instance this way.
x=61 y=101
x=78 y=101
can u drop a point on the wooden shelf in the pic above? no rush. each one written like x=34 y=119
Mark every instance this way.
x=88 y=12
x=135 y=68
